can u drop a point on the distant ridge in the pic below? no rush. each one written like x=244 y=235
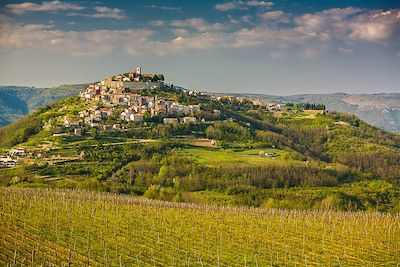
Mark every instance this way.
x=17 y=101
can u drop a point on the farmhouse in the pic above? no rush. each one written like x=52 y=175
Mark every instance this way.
x=78 y=132
x=17 y=152
x=70 y=123
x=107 y=127
x=189 y=120
x=266 y=154
x=136 y=117
x=7 y=162
x=170 y=120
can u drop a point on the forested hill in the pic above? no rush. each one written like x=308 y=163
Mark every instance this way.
x=380 y=110
x=230 y=152
x=17 y=101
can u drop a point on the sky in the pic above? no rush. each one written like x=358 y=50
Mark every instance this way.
x=271 y=47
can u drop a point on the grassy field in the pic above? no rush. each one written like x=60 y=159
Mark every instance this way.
x=214 y=156
x=77 y=228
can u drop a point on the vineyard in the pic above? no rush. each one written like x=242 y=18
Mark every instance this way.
x=51 y=227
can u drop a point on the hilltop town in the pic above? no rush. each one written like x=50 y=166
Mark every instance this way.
x=123 y=98
x=133 y=97
x=125 y=103
x=120 y=99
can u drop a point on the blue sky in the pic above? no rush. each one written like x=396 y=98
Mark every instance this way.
x=270 y=47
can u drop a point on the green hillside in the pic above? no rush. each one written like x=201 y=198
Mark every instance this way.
x=17 y=101
x=42 y=227
x=236 y=154
x=380 y=110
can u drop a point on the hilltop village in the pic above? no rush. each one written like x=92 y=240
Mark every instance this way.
x=130 y=98
x=119 y=97
x=135 y=100
x=123 y=98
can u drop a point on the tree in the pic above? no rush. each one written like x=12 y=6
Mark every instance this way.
x=93 y=133
x=153 y=192
x=163 y=175
x=160 y=77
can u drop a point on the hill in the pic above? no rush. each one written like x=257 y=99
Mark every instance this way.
x=190 y=147
x=380 y=110
x=63 y=227
x=17 y=101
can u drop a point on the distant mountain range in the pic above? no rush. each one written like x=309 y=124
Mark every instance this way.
x=17 y=101
x=380 y=110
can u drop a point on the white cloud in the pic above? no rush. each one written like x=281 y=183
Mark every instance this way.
x=44 y=6
x=180 y=32
x=350 y=24
x=32 y=37
x=197 y=23
x=272 y=15
x=369 y=31
x=311 y=34
x=326 y=30
x=242 y=5
x=171 y=8
x=105 y=12
x=326 y=24
x=157 y=23
x=259 y=3
x=245 y=18
x=201 y=41
x=37 y=37
x=265 y=35
x=228 y=6
x=375 y=28
x=232 y=20
x=101 y=12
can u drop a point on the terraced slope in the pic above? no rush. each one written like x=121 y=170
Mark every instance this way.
x=78 y=228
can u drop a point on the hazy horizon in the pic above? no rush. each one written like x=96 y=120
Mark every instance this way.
x=261 y=47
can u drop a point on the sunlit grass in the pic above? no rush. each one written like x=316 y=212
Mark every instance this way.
x=220 y=156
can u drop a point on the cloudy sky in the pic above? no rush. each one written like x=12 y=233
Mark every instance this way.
x=279 y=47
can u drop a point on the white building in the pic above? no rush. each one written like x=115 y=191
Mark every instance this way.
x=7 y=162
x=18 y=152
x=126 y=114
x=136 y=117
x=69 y=123
x=170 y=120
x=189 y=120
x=78 y=132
